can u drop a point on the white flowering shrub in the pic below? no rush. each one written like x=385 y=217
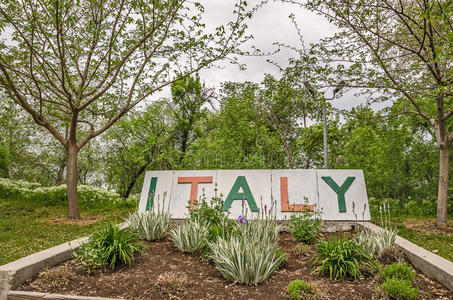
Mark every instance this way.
x=88 y=196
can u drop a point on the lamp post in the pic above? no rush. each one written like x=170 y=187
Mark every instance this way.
x=312 y=92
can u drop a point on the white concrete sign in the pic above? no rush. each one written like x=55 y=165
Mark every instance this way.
x=337 y=194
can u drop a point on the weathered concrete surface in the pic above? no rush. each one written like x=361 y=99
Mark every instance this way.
x=16 y=295
x=17 y=272
x=428 y=263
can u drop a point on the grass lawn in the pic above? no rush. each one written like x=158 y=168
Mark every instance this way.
x=423 y=232
x=28 y=227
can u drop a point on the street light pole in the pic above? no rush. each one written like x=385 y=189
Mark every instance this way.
x=324 y=115
x=324 y=120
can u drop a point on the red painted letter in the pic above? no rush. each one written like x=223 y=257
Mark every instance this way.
x=285 y=202
x=194 y=188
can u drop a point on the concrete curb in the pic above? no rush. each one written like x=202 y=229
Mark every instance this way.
x=17 y=272
x=428 y=263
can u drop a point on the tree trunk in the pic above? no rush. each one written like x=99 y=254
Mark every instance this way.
x=73 y=203
x=442 y=195
x=10 y=173
x=60 y=173
x=134 y=179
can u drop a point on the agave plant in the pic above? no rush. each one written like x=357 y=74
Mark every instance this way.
x=190 y=236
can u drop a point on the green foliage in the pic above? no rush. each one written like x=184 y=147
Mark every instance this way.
x=376 y=242
x=397 y=271
x=341 y=258
x=151 y=225
x=305 y=226
x=243 y=259
x=212 y=216
x=299 y=289
x=89 y=197
x=190 y=236
x=109 y=247
x=400 y=289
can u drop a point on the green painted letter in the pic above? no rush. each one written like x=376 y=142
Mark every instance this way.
x=234 y=194
x=152 y=191
x=340 y=190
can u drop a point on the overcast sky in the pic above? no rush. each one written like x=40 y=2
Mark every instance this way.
x=270 y=24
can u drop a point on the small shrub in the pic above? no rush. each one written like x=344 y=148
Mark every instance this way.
x=400 y=289
x=299 y=289
x=305 y=226
x=213 y=217
x=341 y=258
x=151 y=225
x=397 y=271
x=190 y=236
x=243 y=259
x=172 y=282
x=303 y=249
x=109 y=247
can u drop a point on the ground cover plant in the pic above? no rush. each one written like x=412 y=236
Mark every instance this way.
x=299 y=289
x=397 y=281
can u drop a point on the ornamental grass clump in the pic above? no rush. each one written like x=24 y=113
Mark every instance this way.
x=341 y=258
x=190 y=236
x=152 y=225
x=243 y=259
x=109 y=247
x=376 y=242
x=249 y=255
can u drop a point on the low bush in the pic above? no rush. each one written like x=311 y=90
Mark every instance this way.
x=340 y=258
x=400 y=289
x=397 y=271
x=190 y=236
x=212 y=216
x=109 y=247
x=299 y=289
x=89 y=197
x=243 y=259
x=151 y=225
x=305 y=226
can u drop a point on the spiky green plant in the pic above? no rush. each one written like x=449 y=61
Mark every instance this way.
x=243 y=259
x=376 y=242
x=153 y=224
x=110 y=247
x=190 y=236
x=340 y=258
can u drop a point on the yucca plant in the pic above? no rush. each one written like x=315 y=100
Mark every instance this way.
x=243 y=259
x=341 y=258
x=153 y=224
x=190 y=236
x=110 y=247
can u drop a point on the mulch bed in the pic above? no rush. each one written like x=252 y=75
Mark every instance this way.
x=165 y=273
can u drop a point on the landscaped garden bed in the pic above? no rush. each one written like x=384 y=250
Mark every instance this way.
x=208 y=256
x=164 y=272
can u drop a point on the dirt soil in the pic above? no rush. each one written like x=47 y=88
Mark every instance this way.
x=429 y=226
x=165 y=273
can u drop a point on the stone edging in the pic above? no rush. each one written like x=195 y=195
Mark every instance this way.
x=19 y=295
x=428 y=263
x=17 y=272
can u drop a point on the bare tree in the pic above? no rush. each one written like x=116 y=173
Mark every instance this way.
x=84 y=64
